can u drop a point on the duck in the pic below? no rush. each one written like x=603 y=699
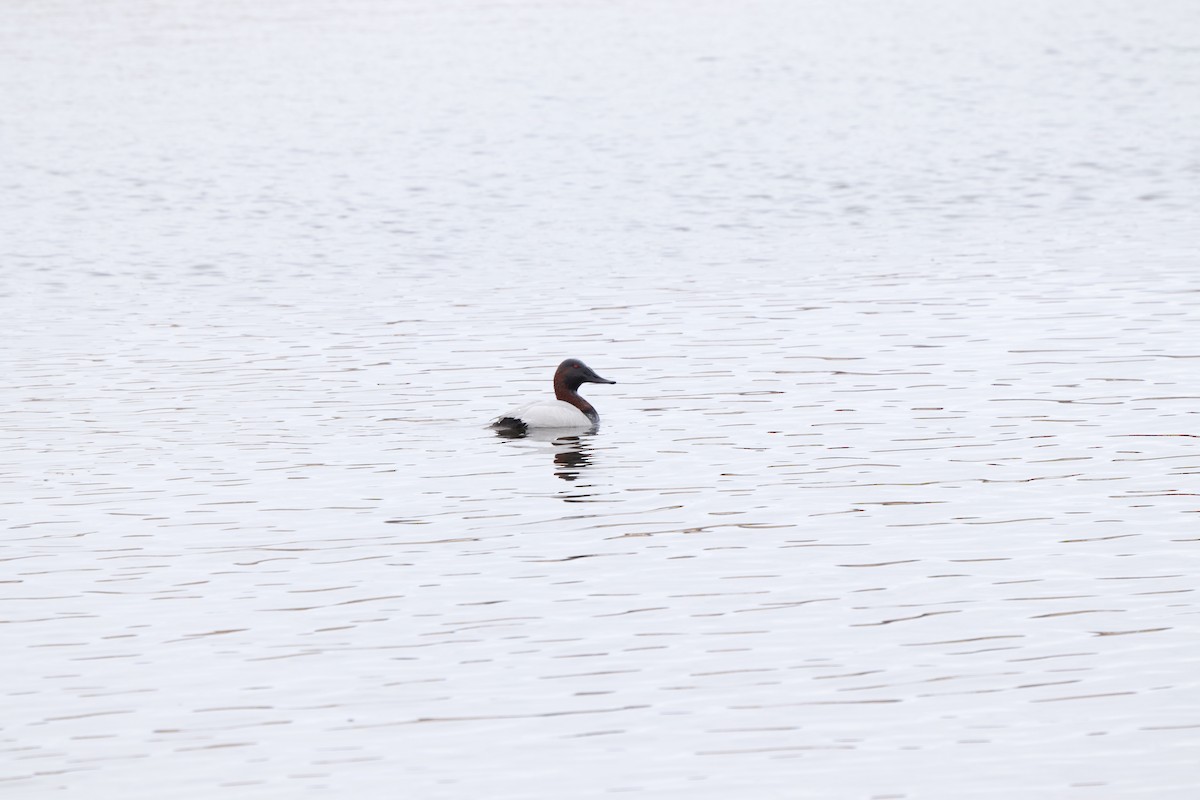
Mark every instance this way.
x=566 y=410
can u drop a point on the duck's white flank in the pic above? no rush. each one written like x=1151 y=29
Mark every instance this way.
x=549 y=413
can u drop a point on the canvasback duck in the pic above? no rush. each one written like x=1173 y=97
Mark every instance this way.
x=566 y=410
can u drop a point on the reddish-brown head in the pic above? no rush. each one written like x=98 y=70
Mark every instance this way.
x=570 y=375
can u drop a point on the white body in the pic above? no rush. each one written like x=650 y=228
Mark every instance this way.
x=550 y=414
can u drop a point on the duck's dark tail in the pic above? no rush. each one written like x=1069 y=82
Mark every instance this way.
x=510 y=424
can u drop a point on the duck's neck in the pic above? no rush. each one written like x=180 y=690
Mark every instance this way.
x=568 y=391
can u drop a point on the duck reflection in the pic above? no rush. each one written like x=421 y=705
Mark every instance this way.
x=571 y=452
x=572 y=455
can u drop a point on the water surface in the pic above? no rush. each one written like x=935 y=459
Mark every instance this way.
x=896 y=495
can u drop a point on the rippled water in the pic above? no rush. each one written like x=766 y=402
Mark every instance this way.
x=896 y=494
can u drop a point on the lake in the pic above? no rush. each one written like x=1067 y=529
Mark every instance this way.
x=897 y=494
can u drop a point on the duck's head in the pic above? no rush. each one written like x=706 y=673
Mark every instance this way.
x=573 y=373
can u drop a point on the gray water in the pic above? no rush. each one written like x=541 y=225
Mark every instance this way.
x=896 y=495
